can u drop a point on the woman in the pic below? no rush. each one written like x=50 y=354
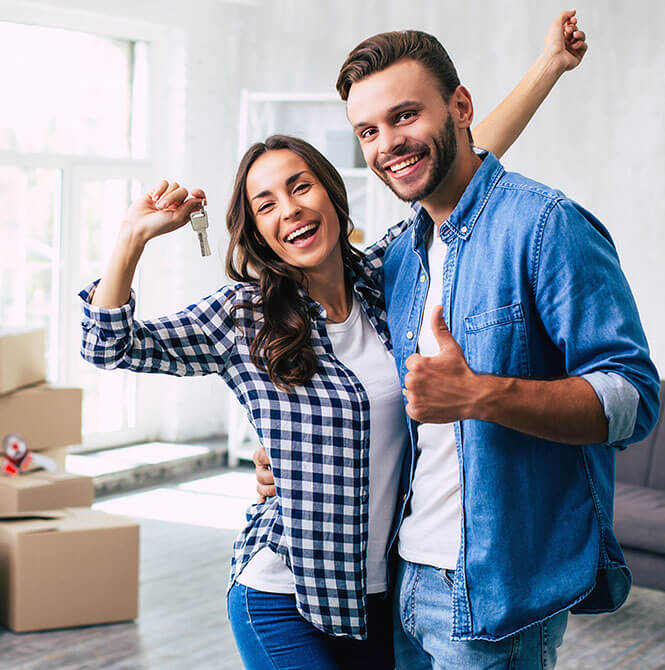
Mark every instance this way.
x=302 y=341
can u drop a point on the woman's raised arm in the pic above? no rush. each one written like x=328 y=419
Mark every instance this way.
x=565 y=46
x=164 y=209
x=193 y=341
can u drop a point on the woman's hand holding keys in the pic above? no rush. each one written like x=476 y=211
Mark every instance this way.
x=164 y=209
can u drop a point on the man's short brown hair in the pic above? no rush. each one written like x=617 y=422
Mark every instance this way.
x=385 y=49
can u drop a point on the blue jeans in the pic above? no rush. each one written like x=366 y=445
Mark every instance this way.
x=422 y=621
x=272 y=635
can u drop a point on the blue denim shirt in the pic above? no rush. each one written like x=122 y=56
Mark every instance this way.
x=532 y=287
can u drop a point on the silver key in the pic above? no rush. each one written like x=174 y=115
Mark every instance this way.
x=199 y=221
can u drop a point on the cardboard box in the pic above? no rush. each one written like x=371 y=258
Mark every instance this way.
x=44 y=416
x=44 y=490
x=22 y=358
x=71 y=567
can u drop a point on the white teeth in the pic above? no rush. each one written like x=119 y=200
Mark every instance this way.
x=404 y=164
x=300 y=231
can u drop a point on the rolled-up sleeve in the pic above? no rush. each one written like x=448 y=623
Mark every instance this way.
x=587 y=308
x=194 y=341
x=620 y=401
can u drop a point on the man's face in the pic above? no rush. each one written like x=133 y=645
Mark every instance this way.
x=405 y=129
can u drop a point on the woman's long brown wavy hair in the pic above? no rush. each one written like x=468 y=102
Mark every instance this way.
x=282 y=347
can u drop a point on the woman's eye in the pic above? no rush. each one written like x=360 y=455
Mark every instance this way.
x=264 y=207
x=301 y=188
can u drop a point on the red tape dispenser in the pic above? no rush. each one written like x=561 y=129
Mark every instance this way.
x=18 y=458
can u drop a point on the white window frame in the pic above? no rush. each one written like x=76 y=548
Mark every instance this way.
x=166 y=46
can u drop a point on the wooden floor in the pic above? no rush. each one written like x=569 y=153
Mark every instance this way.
x=182 y=623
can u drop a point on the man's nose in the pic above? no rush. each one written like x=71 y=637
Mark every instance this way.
x=390 y=141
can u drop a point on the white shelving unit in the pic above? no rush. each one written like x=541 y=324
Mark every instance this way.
x=320 y=119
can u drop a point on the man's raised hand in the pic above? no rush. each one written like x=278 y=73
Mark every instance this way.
x=565 y=43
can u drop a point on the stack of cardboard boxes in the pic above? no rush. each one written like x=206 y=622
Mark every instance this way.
x=61 y=563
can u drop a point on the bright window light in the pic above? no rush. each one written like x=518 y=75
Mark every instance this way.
x=71 y=92
x=234 y=484
x=73 y=135
x=29 y=218
x=195 y=509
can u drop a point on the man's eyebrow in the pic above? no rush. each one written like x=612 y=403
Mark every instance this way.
x=289 y=181
x=403 y=104
x=395 y=108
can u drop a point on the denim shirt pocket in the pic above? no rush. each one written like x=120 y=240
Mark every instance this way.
x=496 y=341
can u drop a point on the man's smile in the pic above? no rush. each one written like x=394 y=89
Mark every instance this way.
x=405 y=167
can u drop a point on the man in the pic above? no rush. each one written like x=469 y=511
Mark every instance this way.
x=523 y=364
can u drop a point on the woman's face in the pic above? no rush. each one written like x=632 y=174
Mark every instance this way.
x=292 y=211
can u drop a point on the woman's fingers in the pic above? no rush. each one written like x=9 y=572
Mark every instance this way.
x=159 y=189
x=173 y=197
x=188 y=207
x=199 y=193
x=162 y=188
x=170 y=196
x=173 y=186
x=179 y=214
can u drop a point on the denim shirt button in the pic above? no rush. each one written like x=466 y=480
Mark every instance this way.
x=404 y=392
x=422 y=279
x=463 y=229
x=409 y=335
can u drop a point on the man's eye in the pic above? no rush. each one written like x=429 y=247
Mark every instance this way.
x=405 y=116
x=367 y=133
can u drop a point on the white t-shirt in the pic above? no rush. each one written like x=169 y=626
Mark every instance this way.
x=357 y=345
x=430 y=534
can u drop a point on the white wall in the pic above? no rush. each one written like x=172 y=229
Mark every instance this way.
x=600 y=136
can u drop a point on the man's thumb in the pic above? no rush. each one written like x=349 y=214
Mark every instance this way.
x=439 y=327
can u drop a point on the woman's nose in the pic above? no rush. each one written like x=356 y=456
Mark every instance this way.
x=290 y=210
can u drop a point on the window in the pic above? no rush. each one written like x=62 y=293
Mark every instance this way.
x=29 y=218
x=73 y=155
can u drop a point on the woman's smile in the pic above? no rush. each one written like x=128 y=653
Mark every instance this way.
x=303 y=232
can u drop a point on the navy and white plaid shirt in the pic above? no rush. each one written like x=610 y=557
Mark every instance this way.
x=317 y=435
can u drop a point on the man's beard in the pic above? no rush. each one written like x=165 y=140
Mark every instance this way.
x=443 y=156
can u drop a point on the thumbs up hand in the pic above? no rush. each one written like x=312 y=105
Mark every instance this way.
x=441 y=388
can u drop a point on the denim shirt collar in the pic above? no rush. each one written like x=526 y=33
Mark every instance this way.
x=463 y=218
